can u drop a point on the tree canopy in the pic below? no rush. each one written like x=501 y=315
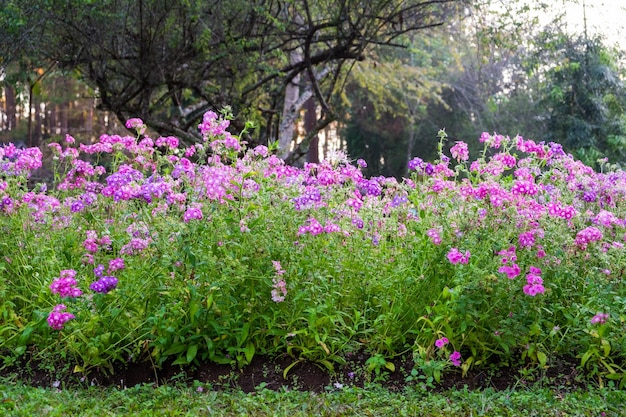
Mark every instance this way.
x=170 y=61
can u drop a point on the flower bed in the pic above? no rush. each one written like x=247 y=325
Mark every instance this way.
x=143 y=250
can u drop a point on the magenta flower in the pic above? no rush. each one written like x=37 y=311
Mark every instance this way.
x=511 y=271
x=137 y=124
x=588 y=235
x=456 y=257
x=65 y=285
x=58 y=317
x=460 y=151
x=600 y=318
x=455 y=358
x=535 y=282
x=440 y=343
x=115 y=265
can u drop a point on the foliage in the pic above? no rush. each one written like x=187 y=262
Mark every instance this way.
x=170 y=62
x=145 y=250
x=586 y=101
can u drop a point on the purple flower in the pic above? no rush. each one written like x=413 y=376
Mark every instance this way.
x=455 y=358
x=115 y=265
x=104 y=284
x=600 y=318
x=65 y=285
x=440 y=343
x=415 y=164
x=193 y=212
x=99 y=270
x=58 y=317
x=455 y=256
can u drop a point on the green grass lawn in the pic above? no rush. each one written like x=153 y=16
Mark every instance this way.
x=143 y=400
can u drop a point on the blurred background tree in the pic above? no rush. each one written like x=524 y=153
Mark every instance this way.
x=379 y=78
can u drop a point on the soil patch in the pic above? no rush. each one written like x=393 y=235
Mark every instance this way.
x=265 y=372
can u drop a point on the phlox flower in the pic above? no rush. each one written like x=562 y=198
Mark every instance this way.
x=65 y=285
x=193 y=212
x=104 y=284
x=313 y=227
x=279 y=290
x=58 y=317
x=137 y=124
x=460 y=151
x=456 y=257
x=535 y=282
x=600 y=318
x=455 y=358
x=415 y=164
x=440 y=343
x=527 y=239
x=434 y=236
x=115 y=265
x=588 y=235
x=511 y=271
x=279 y=269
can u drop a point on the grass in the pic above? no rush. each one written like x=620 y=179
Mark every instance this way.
x=18 y=400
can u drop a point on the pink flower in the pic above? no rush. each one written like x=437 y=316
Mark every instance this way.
x=455 y=256
x=535 y=282
x=511 y=271
x=279 y=290
x=600 y=318
x=434 y=236
x=279 y=269
x=57 y=317
x=455 y=358
x=440 y=343
x=65 y=285
x=460 y=151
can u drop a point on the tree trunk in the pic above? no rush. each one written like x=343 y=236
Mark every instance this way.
x=310 y=120
x=292 y=94
x=11 y=112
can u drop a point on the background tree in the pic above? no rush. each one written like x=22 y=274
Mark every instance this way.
x=170 y=61
x=585 y=100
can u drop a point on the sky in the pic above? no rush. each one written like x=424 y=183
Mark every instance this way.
x=604 y=17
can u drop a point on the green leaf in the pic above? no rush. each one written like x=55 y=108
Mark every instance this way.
x=192 y=350
x=542 y=358
x=289 y=367
x=249 y=352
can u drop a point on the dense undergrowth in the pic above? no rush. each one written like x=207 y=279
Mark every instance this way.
x=140 y=250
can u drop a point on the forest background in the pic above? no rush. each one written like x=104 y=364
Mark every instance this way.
x=375 y=79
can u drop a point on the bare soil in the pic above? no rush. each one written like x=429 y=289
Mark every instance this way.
x=562 y=374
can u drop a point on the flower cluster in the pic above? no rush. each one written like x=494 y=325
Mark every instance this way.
x=535 y=282
x=588 y=235
x=104 y=284
x=279 y=289
x=599 y=318
x=58 y=317
x=456 y=257
x=65 y=285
